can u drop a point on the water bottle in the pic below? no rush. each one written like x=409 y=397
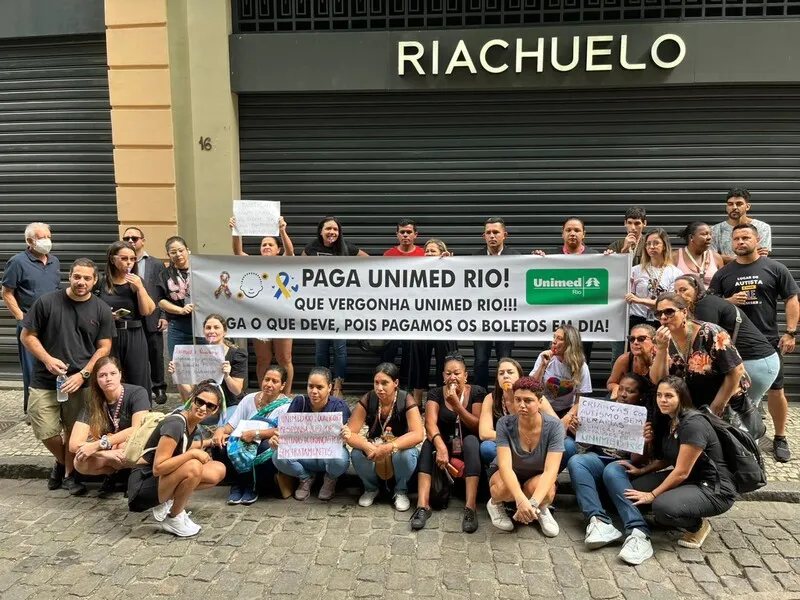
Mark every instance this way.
x=62 y=396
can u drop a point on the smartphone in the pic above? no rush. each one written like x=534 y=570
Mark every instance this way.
x=122 y=312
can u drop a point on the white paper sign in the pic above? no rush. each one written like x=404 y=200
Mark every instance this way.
x=611 y=425
x=255 y=217
x=194 y=364
x=310 y=436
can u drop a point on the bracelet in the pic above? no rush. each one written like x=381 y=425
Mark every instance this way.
x=433 y=439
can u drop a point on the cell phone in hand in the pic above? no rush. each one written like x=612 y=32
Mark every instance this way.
x=121 y=312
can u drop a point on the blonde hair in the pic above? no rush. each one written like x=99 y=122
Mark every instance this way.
x=667 y=253
x=438 y=243
x=573 y=354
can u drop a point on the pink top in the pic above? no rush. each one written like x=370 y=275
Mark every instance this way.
x=708 y=266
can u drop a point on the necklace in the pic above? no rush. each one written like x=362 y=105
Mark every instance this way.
x=384 y=423
x=705 y=259
x=527 y=437
x=656 y=274
x=259 y=403
x=684 y=353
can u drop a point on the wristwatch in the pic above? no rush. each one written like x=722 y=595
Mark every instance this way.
x=257 y=437
x=395 y=448
x=86 y=374
x=105 y=443
x=791 y=333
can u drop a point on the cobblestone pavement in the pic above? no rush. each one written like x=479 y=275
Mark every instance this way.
x=55 y=546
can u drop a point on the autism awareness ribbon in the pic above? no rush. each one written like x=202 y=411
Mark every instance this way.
x=224 y=279
x=281 y=280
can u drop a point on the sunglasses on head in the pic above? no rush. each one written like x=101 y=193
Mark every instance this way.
x=211 y=406
x=131 y=238
x=667 y=312
x=638 y=338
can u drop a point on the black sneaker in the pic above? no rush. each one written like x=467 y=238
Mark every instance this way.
x=420 y=517
x=108 y=487
x=74 y=485
x=469 y=524
x=56 y=476
x=780 y=450
x=160 y=397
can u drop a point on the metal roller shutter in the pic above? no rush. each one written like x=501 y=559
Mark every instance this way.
x=449 y=160
x=56 y=155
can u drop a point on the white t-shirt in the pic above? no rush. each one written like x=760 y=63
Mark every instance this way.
x=246 y=409
x=557 y=381
x=648 y=284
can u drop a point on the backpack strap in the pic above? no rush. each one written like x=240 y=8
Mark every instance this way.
x=705 y=413
x=738 y=324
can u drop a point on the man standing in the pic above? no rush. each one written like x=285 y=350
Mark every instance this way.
x=28 y=275
x=406 y=235
x=66 y=331
x=150 y=270
x=737 y=206
x=635 y=223
x=754 y=283
x=495 y=235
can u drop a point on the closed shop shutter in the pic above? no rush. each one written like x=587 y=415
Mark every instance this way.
x=56 y=156
x=450 y=160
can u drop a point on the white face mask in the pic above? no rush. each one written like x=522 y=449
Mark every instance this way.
x=43 y=246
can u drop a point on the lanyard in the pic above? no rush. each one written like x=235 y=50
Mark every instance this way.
x=117 y=407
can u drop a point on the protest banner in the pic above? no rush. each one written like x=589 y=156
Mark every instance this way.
x=425 y=298
x=310 y=436
x=611 y=425
x=254 y=217
x=194 y=364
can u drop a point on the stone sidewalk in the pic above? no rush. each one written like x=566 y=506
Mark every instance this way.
x=56 y=546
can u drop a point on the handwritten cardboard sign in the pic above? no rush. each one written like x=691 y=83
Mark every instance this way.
x=611 y=425
x=194 y=364
x=310 y=436
x=255 y=217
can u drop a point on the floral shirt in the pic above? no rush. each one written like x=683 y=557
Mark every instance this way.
x=712 y=356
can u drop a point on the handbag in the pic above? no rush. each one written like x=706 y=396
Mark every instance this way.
x=750 y=420
x=441 y=485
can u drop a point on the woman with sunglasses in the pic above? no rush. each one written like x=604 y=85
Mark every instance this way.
x=702 y=354
x=652 y=277
x=174 y=292
x=637 y=360
x=761 y=361
x=697 y=257
x=123 y=290
x=266 y=349
x=173 y=467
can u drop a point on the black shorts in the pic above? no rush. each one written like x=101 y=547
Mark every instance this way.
x=142 y=490
x=778 y=383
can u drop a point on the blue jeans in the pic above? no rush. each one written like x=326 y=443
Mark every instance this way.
x=404 y=463
x=763 y=372
x=483 y=351
x=26 y=360
x=570 y=450
x=178 y=337
x=302 y=469
x=323 y=356
x=587 y=471
x=488 y=451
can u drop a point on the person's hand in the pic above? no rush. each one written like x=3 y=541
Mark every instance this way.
x=274 y=441
x=200 y=455
x=717 y=407
x=546 y=357
x=371 y=451
x=629 y=468
x=135 y=281
x=763 y=252
x=188 y=309
x=639 y=498
x=647 y=432
x=382 y=451
x=629 y=244
x=72 y=384
x=55 y=366
x=442 y=457
x=86 y=450
x=447 y=253
x=786 y=344
x=526 y=513
x=566 y=421
x=739 y=298
x=232 y=222
x=249 y=436
x=608 y=251
x=162 y=324
x=281 y=223
x=631 y=298
x=663 y=336
x=574 y=425
x=346 y=433
x=451 y=399
x=171 y=367
x=226 y=367
x=538 y=253
x=220 y=437
x=614 y=392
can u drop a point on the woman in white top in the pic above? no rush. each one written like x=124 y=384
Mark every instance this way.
x=654 y=276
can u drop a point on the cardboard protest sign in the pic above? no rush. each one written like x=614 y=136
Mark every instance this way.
x=255 y=217
x=611 y=425
x=194 y=364
x=310 y=435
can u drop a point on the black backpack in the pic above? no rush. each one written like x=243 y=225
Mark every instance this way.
x=742 y=455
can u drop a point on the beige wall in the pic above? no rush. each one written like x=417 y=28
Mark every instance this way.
x=169 y=82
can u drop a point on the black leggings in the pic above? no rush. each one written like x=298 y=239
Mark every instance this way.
x=683 y=507
x=471 y=456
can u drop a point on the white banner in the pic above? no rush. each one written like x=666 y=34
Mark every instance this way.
x=611 y=425
x=425 y=298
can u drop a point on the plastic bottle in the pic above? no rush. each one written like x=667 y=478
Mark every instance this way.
x=62 y=396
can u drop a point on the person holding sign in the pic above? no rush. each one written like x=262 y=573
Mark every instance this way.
x=530 y=445
x=319 y=399
x=390 y=446
x=599 y=469
x=173 y=467
x=637 y=360
x=280 y=349
x=700 y=484
x=451 y=422
x=174 y=292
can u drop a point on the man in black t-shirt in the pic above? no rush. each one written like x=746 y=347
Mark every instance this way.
x=67 y=331
x=755 y=283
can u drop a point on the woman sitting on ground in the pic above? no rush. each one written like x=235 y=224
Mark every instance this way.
x=390 y=446
x=172 y=467
x=451 y=424
x=700 y=484
x=266 y=405
x=637 y=360
x=599 y=469
x=530 y=445
x=115 y=409
x=498 y=404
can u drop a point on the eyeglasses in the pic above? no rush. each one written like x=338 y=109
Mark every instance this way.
x=211 y=406
x=667 y=312
x=131 y=238
x=638 y=338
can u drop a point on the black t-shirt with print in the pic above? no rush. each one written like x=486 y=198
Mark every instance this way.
x=750 y=342
x=135 y=399
x=173 y=426
x=447 y=418
x=765 y=281
x=175 y=286
x=317 y=248
x=397 y=422
x=238 y=359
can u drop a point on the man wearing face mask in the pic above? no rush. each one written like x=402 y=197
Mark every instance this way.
x=27 y=276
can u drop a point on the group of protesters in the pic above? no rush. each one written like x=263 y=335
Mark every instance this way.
x=703 y=343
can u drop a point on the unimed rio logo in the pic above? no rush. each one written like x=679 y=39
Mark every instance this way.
x=566 y=286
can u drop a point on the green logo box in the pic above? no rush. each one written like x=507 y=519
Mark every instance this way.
x=566 y=286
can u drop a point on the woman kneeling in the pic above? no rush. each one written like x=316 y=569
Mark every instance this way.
x=172 y=468
x=530 y=445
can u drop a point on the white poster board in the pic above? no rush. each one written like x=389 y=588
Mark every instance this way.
x=194 y=364
x=611 y=425
x=310 y=436
x=254 y=217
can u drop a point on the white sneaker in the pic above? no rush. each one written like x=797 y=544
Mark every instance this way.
x=599 y=533
x=191 y=523
x=161 y=511
x=548 y=523
x=497 y=513
x=180 y=525
x=401 y=502
x=636 y=549
x=367 y=498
